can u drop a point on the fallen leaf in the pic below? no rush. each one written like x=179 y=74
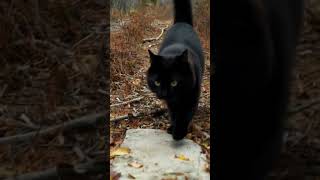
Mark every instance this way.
x=115 y=176
x=182 y=157
x=120 y=151
x=131 y=176
x=207 y=168
x=136 y=82
x=135 y=164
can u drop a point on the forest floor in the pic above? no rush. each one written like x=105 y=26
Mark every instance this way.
x=302 y=147
x=129 y=93
x=51 y=74
x=130 y=96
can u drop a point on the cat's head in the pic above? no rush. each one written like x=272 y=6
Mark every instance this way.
x=170 y=76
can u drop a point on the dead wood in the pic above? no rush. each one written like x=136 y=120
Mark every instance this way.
x=85 y=121
x=154 y=113
x=126 y=102
x=156 y=38
x=65 y=171
x=303 y=107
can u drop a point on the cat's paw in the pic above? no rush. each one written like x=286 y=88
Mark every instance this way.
x=169 y=130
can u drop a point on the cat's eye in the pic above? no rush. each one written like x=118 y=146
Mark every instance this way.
x=174 y=83
x=157 y=83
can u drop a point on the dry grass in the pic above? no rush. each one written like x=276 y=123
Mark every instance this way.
x=44 y=78
x=202 y=22
x=126 y=44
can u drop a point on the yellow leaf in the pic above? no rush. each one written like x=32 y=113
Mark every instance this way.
x=120 y=151
x=136 y=82
x=207 y=167
x=182 y=157
x=135 y=164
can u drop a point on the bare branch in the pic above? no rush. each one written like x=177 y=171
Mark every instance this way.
x=128 y=116
x=93 y=168
x=84 y=121
x=156 y=38
x=298 y=109
x=127 y=102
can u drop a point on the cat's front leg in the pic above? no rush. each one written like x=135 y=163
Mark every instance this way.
x=172 y=117
x=181 y=124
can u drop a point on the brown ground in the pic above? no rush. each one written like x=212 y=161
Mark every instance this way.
x=50 y=73
x=49 y=83
x=129 y=57
x=302 y=141
x=129 y=63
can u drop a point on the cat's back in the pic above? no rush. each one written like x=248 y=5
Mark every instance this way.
x=183 y=33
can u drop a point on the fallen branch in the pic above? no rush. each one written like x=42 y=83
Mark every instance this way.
x=83 y=39
x=85 y=121
x=156 y=38
x=66 y=171
x=303 y=107
x=126 y=102
x=154 y=113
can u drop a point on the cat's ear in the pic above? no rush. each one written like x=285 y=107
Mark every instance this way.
x=152 y=56
x=184 y=56
x=151 y=53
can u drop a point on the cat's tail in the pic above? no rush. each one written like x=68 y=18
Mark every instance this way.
x=183 y=11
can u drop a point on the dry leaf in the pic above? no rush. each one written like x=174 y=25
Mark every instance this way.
x=131 y=176
x=115 y=176
x=182 y=157
x=135 y=164
x=120 y=151
x=136 y=82
x=207 y=168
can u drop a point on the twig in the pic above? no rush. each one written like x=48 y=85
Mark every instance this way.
x=35 y=41
x=128 y=116
x=127 y=102
x=3 y=90
x=303 y=107
x=79 y=170
x=84 y=121
x=83 y=39
x=28 y=122
x=82 y=156
x=156 y=38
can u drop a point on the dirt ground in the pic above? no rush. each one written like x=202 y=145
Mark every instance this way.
x=302 y=147
x=129 y=83
x=301 y=156
x=128 y=87
x=50 y=74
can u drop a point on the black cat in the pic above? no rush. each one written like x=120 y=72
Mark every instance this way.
x=175 y=74
x=254 y=44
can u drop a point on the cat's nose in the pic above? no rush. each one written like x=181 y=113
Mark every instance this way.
x=163 y=94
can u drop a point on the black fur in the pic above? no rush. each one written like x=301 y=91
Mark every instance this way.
x=254 y=47
x=179 y=59
x=183 y=11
